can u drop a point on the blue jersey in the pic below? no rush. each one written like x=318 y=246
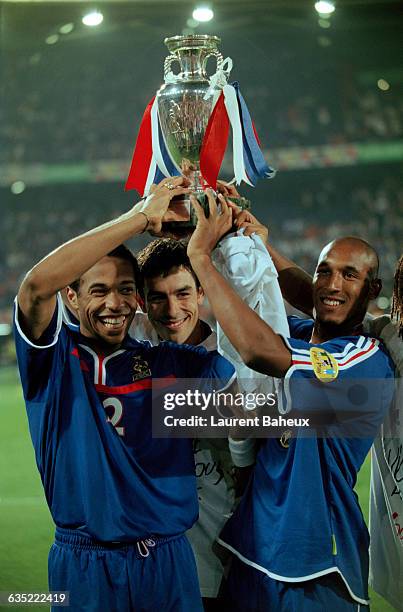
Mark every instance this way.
x=299 y=518
x=90 y=419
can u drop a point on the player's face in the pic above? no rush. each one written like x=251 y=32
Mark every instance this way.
x=106 y=301
x=172 y=304
x=341 y=284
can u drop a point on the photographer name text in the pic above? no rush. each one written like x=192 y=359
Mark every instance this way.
x=234 y=421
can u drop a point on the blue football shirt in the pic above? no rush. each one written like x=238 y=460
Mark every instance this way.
x=90 y=419
x=299 y=518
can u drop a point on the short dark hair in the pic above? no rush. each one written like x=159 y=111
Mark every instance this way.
x=160 y=256
x=120 y=252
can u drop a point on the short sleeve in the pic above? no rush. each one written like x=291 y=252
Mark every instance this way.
x=35 y=359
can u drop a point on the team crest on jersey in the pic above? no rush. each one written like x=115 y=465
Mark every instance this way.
x=285 y=438
x=141 y=369
x=324 y=364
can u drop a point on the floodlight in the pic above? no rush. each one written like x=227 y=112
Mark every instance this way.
x=17 y=187
x=324 y=7
x=383 y=85
x=93 y=19
x=203 y=13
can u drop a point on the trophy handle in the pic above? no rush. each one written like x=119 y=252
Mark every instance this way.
x=168 y=74
x=167 y=64
x=215 y=53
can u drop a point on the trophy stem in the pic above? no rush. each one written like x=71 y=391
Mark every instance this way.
x=197 y=187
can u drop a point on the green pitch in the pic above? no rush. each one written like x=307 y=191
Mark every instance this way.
x=26 y=527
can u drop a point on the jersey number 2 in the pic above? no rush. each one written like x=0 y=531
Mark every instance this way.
x=113 y=402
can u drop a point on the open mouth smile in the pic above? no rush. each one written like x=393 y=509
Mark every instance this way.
x=331 y=302
x=173 y=325
x=113 y=322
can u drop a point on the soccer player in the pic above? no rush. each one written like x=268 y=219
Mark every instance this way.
x=120 y=499
x=386 y=505
x=172 y=299
x=298 y=535
x=172 y=294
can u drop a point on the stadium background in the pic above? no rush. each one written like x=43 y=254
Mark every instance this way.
x=326 y=97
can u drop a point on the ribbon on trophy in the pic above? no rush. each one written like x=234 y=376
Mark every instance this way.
x=152 y=161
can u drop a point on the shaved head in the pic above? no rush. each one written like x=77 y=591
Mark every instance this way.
x=357 y=245
x=345 y=280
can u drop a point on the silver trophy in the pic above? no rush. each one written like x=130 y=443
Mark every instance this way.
x=185 y=103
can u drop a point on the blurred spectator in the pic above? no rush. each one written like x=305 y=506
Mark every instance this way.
x=54 y=113
x=83 y=100
x=303 y=213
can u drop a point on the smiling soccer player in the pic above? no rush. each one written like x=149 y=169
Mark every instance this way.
x=121 y=500
x=298 y=535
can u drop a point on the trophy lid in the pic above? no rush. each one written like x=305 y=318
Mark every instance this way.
x=192 y=41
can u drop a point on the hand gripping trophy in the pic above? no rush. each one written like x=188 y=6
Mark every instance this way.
x=185 y=127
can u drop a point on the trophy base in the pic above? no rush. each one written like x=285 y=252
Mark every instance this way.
x=180 y=217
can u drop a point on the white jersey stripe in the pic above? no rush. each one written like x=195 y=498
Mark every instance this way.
x=354 y=357
x=363 y=341
x=347 y=348
x=100 y=364
x=329 y=570
x=58 y=325
x=96 y=361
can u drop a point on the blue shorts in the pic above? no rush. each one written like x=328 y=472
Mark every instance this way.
x=151 y=575
x=250 y=590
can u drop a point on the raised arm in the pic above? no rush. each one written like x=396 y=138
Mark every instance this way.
x=295 y=283
x=37 y=293
x=260 y=348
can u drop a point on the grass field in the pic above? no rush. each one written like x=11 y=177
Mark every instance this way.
x=26 y=526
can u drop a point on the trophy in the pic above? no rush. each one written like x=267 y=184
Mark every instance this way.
x=185 y=127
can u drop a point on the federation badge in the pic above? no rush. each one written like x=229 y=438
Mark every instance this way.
x=141 y=369
x=285 y=438
x=324 y=364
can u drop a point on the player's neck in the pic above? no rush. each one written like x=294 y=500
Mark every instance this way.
x=102 y=348
x=200 y=332
x=324 y=331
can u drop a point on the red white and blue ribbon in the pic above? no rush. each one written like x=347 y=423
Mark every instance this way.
x=254 y=162
x=233 y=110
x=214 y=142
x=142 y=162
x=249 y=163
x=152 y=161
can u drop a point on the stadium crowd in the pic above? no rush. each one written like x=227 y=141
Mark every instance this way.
x=39 y=127
x=376 y=214
x=81 y=100
x=361 y=115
